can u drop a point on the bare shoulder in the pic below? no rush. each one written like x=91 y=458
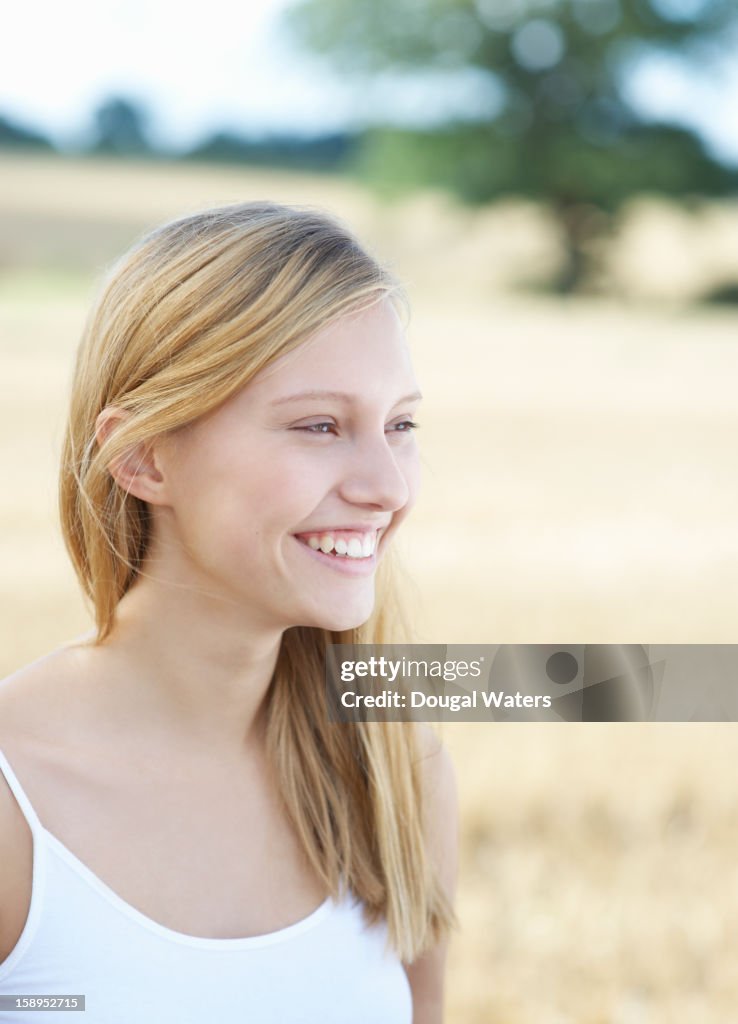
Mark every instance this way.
x=31 y=710
x=32 y=704
x=33 y=699
x=22 y=711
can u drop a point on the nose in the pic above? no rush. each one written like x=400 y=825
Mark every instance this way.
x=377 y=476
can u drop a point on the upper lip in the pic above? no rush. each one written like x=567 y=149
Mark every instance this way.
x=365 y=528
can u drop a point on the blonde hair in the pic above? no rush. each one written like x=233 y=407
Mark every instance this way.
x=187 y=318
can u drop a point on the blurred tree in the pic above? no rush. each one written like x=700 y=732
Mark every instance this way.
x=559 y=126
x=15 y=135
x=120 y=127
x=319 y=153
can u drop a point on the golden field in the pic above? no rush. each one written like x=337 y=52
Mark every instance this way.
x=579 y=486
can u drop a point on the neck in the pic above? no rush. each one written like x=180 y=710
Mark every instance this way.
x=188 y=668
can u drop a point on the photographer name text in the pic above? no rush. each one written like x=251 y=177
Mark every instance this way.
x=451 y=701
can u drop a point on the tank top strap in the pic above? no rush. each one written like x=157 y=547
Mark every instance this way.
x=18 y=792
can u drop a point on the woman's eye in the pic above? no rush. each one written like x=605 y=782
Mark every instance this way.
x=318 y=428
x=406 y=427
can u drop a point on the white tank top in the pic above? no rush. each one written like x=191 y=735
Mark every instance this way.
x=80 y=938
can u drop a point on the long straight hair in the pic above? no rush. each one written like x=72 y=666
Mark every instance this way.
x=186 y=319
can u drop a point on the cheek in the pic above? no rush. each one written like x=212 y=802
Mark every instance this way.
x=411 y=470
x=240 y=500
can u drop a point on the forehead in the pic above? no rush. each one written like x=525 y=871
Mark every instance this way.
x=362 y=352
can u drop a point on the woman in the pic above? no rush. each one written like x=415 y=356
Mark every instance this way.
x=184 y=836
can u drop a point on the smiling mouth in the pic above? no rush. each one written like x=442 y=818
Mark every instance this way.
x=348 y=544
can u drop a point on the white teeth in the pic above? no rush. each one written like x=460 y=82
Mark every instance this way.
x=354 y=547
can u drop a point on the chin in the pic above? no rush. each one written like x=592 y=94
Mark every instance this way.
x=339 y=619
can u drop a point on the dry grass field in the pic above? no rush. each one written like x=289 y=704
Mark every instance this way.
x=579 y=486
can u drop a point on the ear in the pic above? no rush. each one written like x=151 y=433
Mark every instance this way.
x=137 y=471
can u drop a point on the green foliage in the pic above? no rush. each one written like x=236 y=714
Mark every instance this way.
x=480 y=164
x=318 y=153
x=371 y=35
x=725 y=294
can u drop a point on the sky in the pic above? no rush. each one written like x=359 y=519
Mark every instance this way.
x=228 y=64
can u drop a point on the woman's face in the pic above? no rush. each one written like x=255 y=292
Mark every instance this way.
x=286 y=497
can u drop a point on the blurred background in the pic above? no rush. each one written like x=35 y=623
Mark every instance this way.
x=555 y=181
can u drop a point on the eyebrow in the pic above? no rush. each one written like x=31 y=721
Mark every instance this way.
x=337 y=396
